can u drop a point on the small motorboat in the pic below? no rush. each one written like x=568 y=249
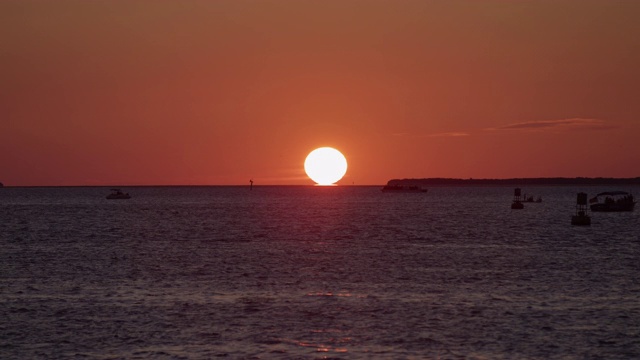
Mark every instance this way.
x=118 y=194
x=613 y=201
x=403 y=189
x=529 y=199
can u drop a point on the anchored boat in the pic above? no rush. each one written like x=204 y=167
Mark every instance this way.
x=117 y=194
x=403 y=189
x=613 y=201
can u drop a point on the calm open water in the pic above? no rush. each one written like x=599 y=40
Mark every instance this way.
x=315 y=273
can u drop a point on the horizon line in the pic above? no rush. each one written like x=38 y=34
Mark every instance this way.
x=445 y=179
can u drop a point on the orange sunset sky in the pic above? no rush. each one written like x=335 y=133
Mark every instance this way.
x=219 y=92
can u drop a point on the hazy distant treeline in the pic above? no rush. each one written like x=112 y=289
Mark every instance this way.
x=516 y=181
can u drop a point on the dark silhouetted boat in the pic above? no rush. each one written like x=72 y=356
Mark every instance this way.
x=613 y=201
x=403 y=189
x=529 y=199
x=117 y=194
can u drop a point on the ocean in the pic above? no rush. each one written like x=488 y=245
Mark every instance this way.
x=304 y=272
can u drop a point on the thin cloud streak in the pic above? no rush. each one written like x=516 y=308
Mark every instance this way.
x=533 y=126
x=573 y=123
x=447 y=134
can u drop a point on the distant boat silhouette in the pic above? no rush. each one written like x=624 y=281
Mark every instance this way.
x=403 y=189
x=529 y=199
x=614 y=201
x=117 y=194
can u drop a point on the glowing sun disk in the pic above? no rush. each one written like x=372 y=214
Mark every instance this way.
x=325 y=165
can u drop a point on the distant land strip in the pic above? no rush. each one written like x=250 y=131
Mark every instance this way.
x=515 y=181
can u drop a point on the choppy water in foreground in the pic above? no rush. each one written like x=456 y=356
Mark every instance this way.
x=313 y=272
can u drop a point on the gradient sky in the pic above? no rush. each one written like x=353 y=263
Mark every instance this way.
x=219 y=92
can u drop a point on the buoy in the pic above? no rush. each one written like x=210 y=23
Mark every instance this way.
x=517 y=202
x=581 y=217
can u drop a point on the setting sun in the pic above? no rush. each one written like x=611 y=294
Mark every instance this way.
x=325 y=165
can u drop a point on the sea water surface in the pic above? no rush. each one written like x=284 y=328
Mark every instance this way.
x=303 y=272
